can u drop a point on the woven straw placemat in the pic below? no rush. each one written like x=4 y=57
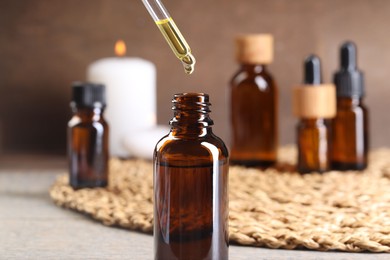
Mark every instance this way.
x=347 y=211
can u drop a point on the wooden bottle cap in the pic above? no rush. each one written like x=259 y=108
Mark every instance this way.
x=255 y=48
x=314 y=101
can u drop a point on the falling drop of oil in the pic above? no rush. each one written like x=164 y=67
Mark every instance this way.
x=188 y=63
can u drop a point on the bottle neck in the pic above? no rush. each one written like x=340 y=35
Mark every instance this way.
x=312 y=122
x=191 y=115
x=88 y=113
x=254 y=68
x=349 y=101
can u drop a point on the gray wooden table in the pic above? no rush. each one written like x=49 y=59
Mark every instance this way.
x=32 y=227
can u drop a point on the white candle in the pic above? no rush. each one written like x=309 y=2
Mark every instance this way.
x=131 y=97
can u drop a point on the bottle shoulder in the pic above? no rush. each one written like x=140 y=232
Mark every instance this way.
x=257 y=80
x=193 y=149
x=351 y=107
x=313 y=124
x=77 y=121
x=351 y=114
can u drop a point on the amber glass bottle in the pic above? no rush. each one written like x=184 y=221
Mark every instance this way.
x=253 y=102
x=315 y=104
x=190 y=185
x=350 y=127
x=88 y=137
x=313 y=151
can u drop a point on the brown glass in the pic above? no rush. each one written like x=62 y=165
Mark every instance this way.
x=88 y=148
x=190 y=185
x=253 y=103
x=350 y=135
x=313 y=138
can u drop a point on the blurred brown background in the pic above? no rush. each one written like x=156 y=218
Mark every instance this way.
x=47 y=44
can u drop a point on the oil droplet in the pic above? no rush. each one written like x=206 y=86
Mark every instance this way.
x=188 y=63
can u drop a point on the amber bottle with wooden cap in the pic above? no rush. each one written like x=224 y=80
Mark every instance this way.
x=253 y=102
x=88 y=137
x=190 y=185
x=350 y=126
x=314 y=103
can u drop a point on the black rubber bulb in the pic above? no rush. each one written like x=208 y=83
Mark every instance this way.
x=348 y=56
x=349 y=80
x=312 y=70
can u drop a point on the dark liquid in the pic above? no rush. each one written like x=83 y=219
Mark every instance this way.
x=350 y=136
x=253 y=117
x=88 y=155
x=190 y=212
x=313 y=146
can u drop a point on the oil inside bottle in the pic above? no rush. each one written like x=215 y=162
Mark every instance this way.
x=188 y=228
x=177 y=43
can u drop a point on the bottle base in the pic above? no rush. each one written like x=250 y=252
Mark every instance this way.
x=341 y=166
x=309 y=171
x=305 y=170
x=88 y=184
x=253 y=163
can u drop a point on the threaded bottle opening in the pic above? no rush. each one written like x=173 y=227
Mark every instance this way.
x=195 y=102
x=191 y=109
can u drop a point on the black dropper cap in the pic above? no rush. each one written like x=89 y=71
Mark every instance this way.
x=312 y=70
x=88 y=95
x=349 y=80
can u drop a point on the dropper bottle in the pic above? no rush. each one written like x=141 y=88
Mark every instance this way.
x=171 y=33
x=314 y=103
x=350 y=126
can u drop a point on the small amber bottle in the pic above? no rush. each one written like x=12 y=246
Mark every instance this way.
x=88 y=137
x=350 y=126
x=314 y=104
x=253 y=102
x=190 y=185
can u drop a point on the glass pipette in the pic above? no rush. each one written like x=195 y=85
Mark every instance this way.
x=171 y=33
